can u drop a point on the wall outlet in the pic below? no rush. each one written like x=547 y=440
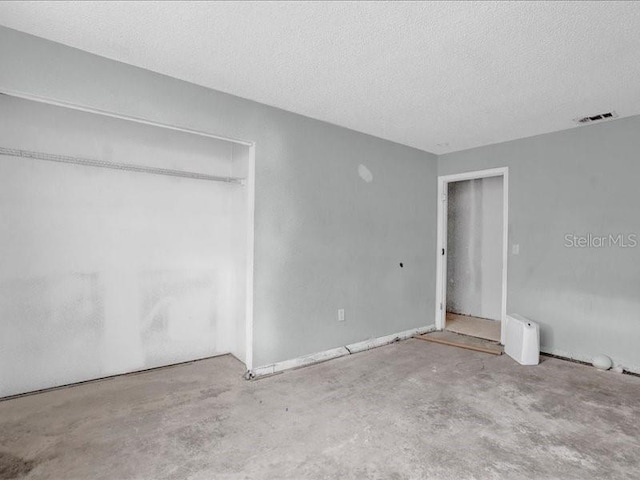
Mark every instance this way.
x=341 y=314
x=515 y=249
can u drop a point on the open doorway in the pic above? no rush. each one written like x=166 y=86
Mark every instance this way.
x=472 y=254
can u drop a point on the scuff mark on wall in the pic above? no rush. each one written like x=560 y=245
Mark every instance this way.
x=180 y=312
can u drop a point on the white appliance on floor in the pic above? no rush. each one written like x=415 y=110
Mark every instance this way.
x=522 y=341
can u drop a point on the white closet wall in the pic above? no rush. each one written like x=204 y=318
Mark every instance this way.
x=108 y=271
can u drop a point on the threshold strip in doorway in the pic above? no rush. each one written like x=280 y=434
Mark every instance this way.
x=462 y=341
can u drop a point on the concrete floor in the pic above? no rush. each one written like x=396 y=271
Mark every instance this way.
x=412 y=410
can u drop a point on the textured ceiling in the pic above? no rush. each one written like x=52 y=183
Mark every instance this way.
x=439 y=76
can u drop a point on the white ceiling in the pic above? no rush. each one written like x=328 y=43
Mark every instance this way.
x=439 y=76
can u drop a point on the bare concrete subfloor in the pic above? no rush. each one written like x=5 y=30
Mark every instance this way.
x=412 y=410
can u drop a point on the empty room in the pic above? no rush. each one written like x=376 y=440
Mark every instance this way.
x=319 y=239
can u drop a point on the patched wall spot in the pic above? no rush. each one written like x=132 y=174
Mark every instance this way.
x=365 y=173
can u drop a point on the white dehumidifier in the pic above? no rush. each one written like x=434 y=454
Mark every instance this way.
x=522 y=342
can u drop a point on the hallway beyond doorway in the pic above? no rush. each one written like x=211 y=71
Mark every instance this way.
x=473 y=326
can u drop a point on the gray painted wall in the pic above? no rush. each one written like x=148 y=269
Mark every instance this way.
x=474 y=247
x=579 y=181
x=325 y=239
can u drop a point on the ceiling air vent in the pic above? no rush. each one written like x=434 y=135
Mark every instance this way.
x=596 y=118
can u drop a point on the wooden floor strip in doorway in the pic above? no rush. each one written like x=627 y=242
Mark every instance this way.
x=462 y=341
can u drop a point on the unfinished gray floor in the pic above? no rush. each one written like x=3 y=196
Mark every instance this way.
x=408 y=410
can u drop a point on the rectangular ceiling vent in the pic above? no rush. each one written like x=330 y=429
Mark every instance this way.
x=596 y=118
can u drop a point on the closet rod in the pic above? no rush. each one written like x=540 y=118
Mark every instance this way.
x=14 y=152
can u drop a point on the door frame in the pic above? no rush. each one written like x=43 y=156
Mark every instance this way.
x=441 y=257
x=250 y=256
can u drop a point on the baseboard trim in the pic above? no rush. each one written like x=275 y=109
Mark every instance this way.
x=585 y=359
x=114 y=376
x=330 y=354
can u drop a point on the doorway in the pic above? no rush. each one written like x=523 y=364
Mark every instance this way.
x=472 y=254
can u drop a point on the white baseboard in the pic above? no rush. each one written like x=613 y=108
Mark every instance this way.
x=336 y=352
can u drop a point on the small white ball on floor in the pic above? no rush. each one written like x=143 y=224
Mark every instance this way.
x=602 y=362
